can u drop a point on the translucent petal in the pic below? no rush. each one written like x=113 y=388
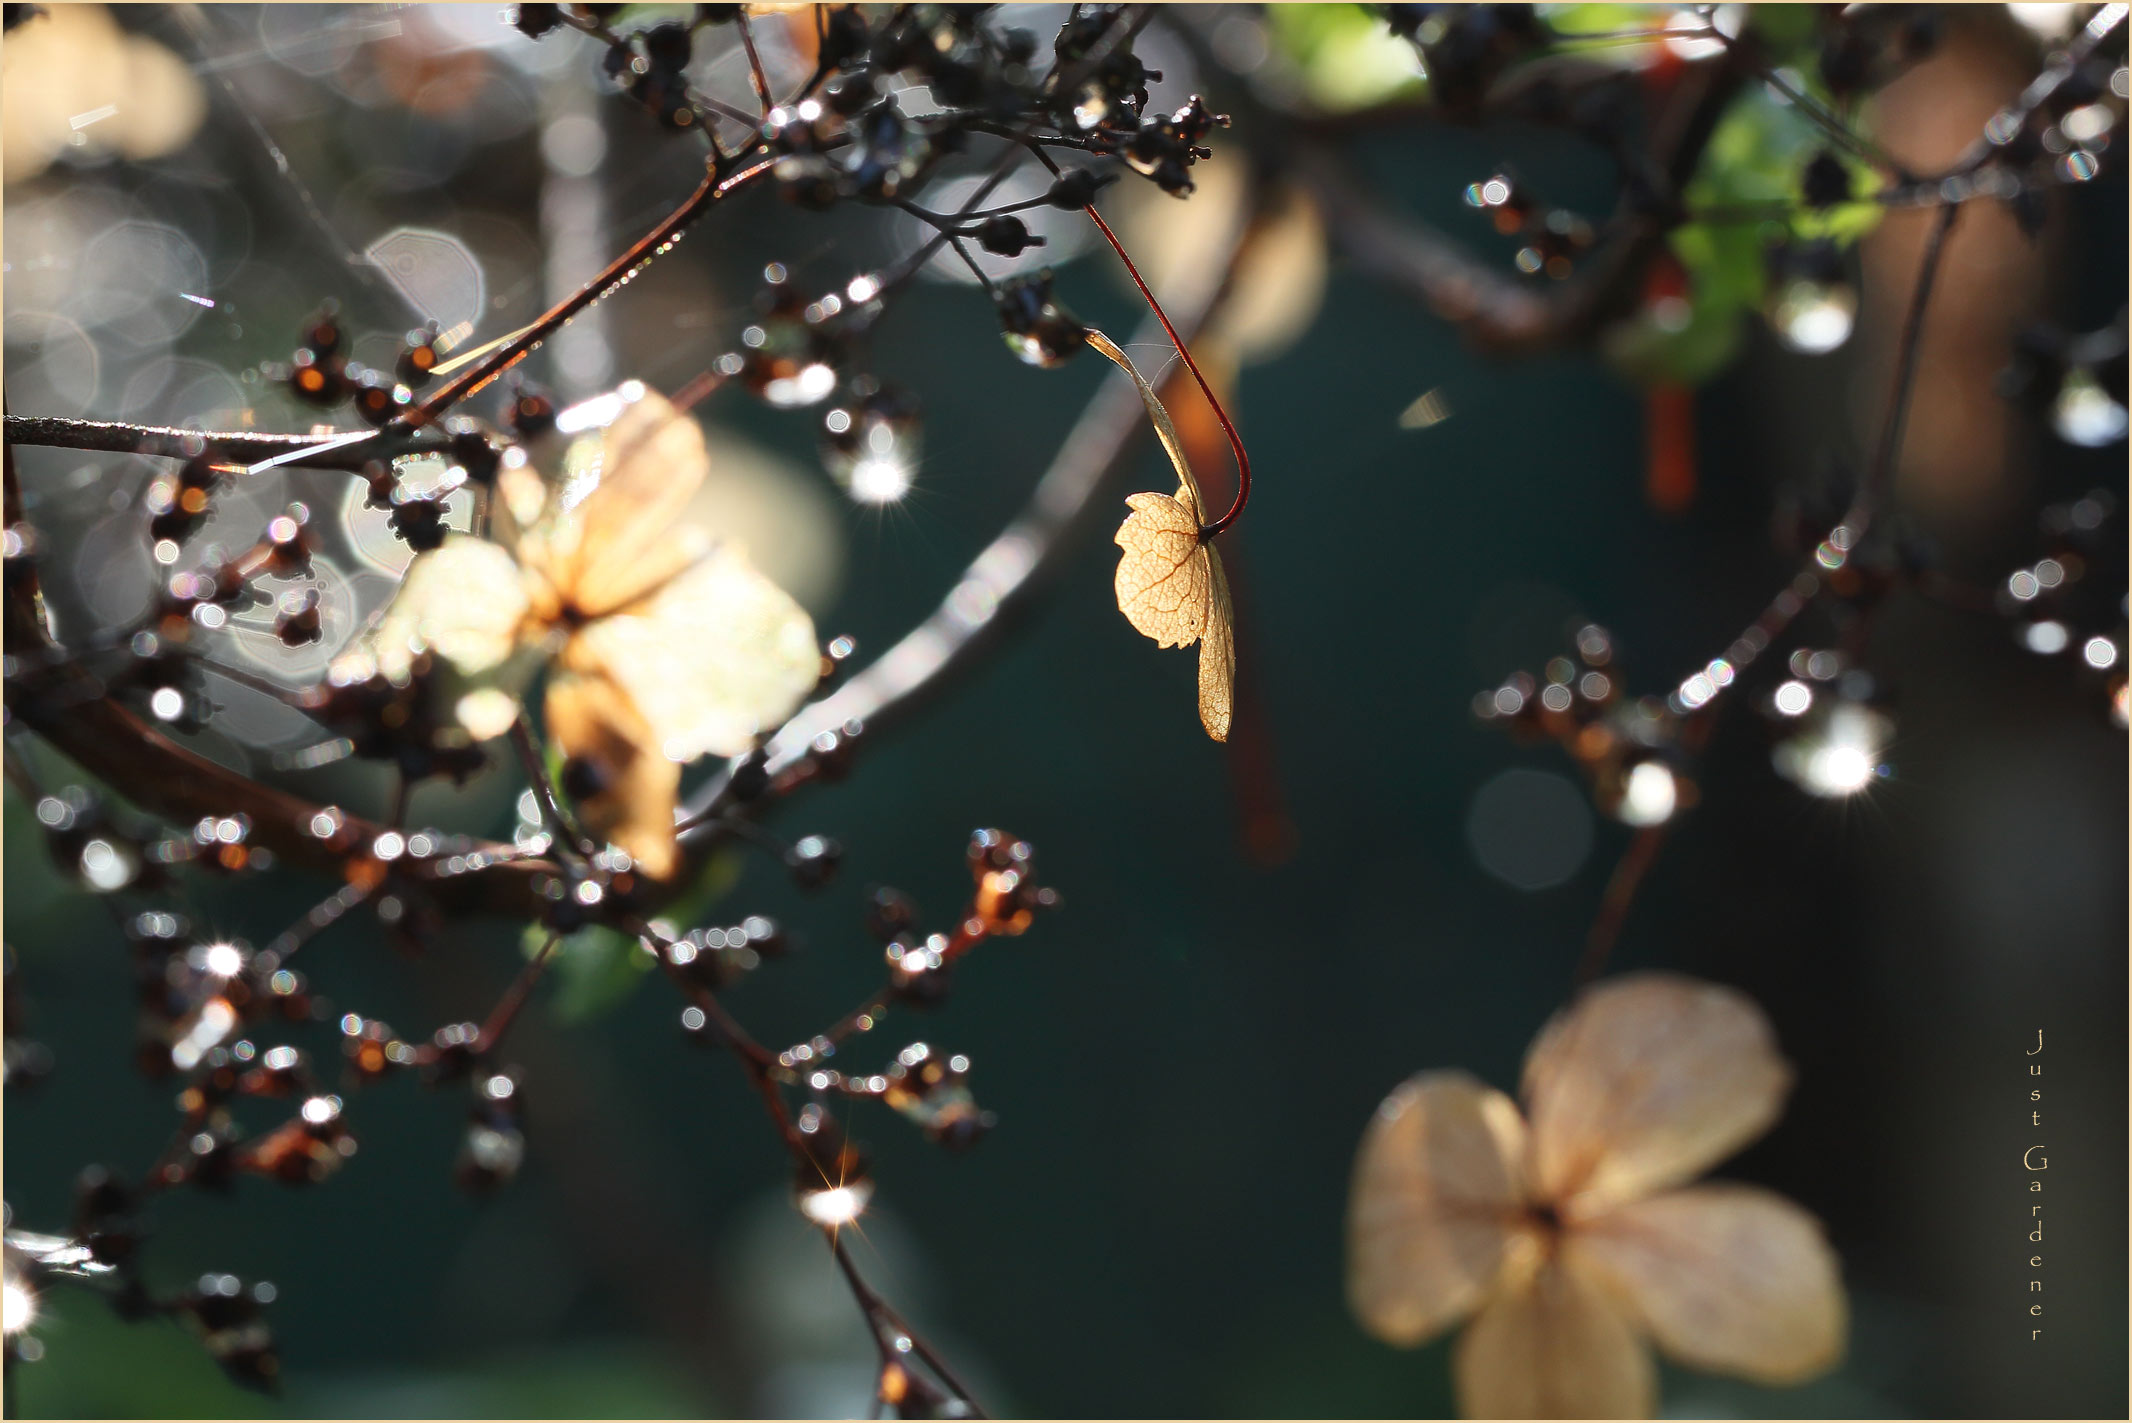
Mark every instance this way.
x=464 y=603
x=1429 y=1215
x=717 y=657
x=1217 y=653
x=1725 y=1277
x=1164 y=580
x=1645 y=1082
x=612 y=530
x=635 y=788
x=1555 y=1345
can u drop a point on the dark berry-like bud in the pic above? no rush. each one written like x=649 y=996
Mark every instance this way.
x=533 y=21
x=473 y=452
x=323 y=337
x=1006 y=236
x=419 y=523
x=918 y=974
x=813 y=861
x=495 y=1144
x=667 y=47
x=584 y=777
x=532 y=413
x=889 y=913
x=1826 y=181
x=378 y=400
x=1037 y=328
x=452 y=1049
x=844 y=36
x=317 y=380
x=418 y=356
x=1074 y=190
x=297 y=621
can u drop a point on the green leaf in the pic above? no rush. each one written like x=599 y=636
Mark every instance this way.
x=595 y=969
x=1347 y=57
x=691 y=906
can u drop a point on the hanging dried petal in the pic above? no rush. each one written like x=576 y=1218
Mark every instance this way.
x=1170 y=584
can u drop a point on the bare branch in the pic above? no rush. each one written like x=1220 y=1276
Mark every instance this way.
x=176 y=442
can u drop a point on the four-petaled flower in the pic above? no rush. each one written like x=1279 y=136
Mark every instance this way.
x=1570 y=1232
x=662 y=644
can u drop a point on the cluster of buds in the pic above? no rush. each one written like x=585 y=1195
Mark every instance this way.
x=933 y=1090
x=652 y=68
x=793 y=351
x=230 y=1318
x=832 y=1177
x=1112 y=91
x=495 y=1142
x=195 y=997
x=2076 y=381
x=1832 y=723
x=193 y=602
x=1626 y=749
x=2070 y=133
x=321 y=374
x=392 y=719
x=1465 y=47
x=177 y=502
x=1008 y=895
x=212 y=1149
x=719 y=957
x=2071 y=600
x=1165 y=149
x=1550 y=239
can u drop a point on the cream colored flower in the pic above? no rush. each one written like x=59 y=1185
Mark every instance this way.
x=1569 y=1231
x=661 y=644
x=71 y=78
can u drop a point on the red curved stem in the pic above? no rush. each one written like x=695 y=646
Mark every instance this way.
x=1236 y=443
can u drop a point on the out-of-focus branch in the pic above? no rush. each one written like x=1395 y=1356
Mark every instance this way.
x=720 y=180
x=1842 y=543
x=1500 y=313
x=2040 y=92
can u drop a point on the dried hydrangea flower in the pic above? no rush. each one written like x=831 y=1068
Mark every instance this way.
x=1569 y=1231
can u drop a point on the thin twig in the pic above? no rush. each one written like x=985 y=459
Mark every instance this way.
x=716 y=185
x=176 y=442
x=755 y=69
x=1880 y=474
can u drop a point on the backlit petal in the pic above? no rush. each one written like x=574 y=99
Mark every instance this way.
x=1728 y=1278
x=1430 y=1212
x=1556 y=1346
x=1645 y=1082
x=633 y=788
